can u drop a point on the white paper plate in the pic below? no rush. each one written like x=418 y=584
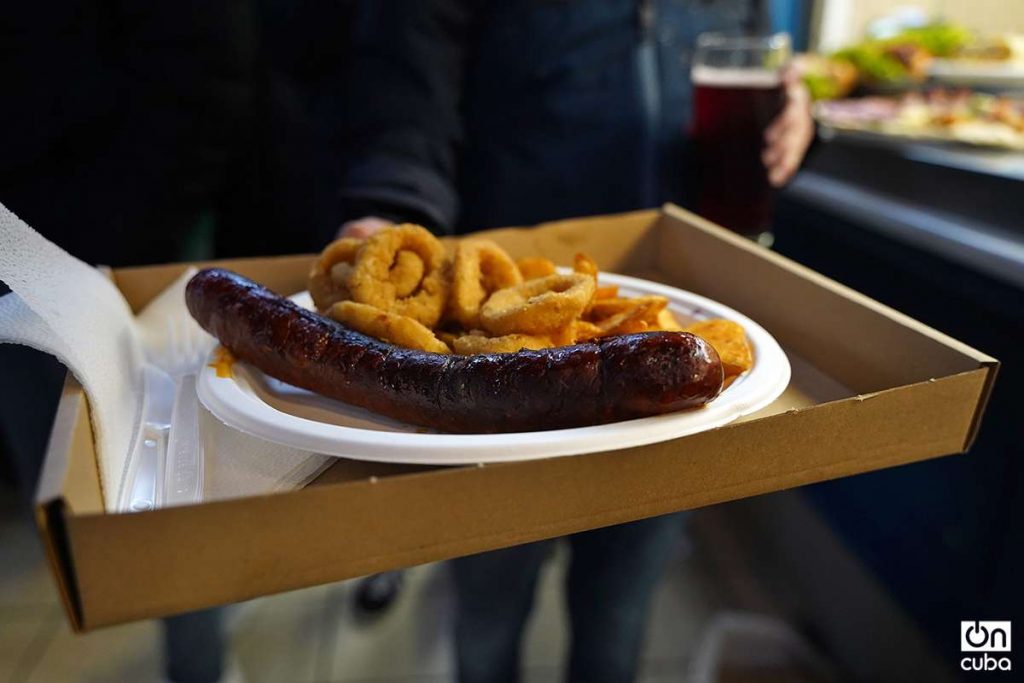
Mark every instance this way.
x=267 y=408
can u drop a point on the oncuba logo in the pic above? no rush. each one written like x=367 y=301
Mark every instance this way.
x=982 y=638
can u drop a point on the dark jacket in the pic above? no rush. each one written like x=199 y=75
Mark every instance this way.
x=126 y=121
x=119 y=118
x=470 y=114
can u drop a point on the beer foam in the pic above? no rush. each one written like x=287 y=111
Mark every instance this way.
x=737 y=77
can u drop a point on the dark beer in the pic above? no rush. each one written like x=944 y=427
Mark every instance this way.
x=732 y=109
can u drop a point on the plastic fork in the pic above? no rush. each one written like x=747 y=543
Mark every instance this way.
x=166 y=463
x=186 y=349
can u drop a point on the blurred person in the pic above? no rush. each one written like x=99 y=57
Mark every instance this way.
x=469 y=115
x=137 y=133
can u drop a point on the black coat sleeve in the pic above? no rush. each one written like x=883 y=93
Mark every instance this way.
x=120 y=118
x=403 y=126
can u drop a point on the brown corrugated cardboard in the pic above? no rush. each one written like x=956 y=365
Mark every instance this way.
x=871 y=389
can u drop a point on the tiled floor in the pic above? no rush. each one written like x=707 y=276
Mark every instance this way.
x=313 y=634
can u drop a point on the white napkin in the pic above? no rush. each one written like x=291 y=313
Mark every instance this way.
x=64 y=307
x=248 y=466
x=59 y=302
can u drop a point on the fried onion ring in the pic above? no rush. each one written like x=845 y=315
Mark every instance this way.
x=406 y=273
x=479 y=269
x=390 y=327
x=381 y=274
x=533 y=267
x=472 y=344
x=328 y=279
x=539 y=306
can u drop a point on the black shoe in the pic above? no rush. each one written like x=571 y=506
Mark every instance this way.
x=376 y=593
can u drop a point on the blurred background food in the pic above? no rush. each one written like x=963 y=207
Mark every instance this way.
x=916 y=73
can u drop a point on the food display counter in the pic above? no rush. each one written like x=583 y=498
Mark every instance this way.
x=936 y=232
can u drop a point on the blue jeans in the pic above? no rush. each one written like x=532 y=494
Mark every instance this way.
x=611 y=577
x=194 y=646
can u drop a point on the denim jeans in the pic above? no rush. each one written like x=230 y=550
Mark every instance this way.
x=194 y=646
x=611 y=577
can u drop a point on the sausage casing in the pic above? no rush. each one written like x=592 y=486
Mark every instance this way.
x=614 y=378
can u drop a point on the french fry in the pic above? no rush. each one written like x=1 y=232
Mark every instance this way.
x=471 y=344
x=631 y=327
x=667 y=321
x=585 y=265
x=606 y=308
x=729 y=340
x=566 y=335
x=585 y=331
x=645 y=308
x=533 y=267
x=626 y=322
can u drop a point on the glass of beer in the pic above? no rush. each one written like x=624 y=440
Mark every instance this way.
x=738 y=91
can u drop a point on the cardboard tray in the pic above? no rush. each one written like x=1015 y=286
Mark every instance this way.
x=871 y=389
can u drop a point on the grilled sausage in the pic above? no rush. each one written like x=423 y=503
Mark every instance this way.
x=615 y=378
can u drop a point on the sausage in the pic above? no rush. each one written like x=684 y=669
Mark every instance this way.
x=616 y=378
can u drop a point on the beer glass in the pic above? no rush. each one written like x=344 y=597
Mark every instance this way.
x=737 y=92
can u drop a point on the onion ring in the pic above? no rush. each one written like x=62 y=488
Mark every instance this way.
x=539 y=306
x=397 y=329
x=328 y=279
x=479 y=269
x=381 y=274
x=406 y=273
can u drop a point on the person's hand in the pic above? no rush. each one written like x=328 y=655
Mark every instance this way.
x=787 y=137
x=362 y=228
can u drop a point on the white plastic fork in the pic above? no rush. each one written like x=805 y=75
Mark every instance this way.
x=140 y=491
x=186 y=349
x=166 y=463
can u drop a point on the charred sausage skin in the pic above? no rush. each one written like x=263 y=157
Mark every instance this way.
x=616 y=378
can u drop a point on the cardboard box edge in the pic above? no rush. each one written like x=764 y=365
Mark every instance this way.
x=50 y=505
x=52 y=530
x=991 y=368
x=817 y=278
